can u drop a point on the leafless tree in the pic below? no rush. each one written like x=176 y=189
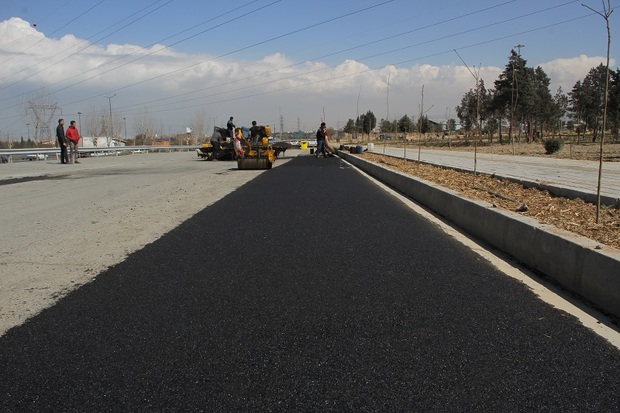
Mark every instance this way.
x=605 y=14
x=117 y=127
x=144 y=127
x=199 y=125
x=94 y=122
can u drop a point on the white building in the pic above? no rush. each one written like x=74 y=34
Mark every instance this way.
x=99 y=142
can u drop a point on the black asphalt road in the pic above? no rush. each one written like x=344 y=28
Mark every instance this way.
x=308 y=289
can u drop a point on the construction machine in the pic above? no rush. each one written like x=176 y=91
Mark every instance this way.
x=218 y=148
x=258 y=155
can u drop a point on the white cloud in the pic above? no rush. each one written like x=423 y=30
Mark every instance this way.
x=566 y=72
x=17 y=34
x=249 y=89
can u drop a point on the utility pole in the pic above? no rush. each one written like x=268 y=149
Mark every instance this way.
x=80 y=125
x=111 y=128
x=519 y=46
x=420 y=125
x=357 y=121
x=387 y=99
x=449 y=126
x=476 y=75
x=387 y=116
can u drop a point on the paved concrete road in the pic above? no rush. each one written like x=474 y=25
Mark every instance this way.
x=309 y=289
x=581 y=176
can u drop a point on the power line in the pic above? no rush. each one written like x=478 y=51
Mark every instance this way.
x=331 y=67
x=286 y=34
x=396 y=64
x=241 y=49
x=387 y=52
x=486 y=26
x=153 y=52
x=142 y=56
x=159 y=50
x=340 y=51
x=399 y=63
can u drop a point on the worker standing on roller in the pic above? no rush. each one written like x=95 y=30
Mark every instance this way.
x=254 y=133
x=230 y=125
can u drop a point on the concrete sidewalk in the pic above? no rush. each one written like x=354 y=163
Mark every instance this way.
x=563 y=177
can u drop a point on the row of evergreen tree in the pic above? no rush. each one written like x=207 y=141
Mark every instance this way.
x=522 y=98
x=521 y=95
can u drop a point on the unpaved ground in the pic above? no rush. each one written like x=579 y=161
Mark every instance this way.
x=571 y=215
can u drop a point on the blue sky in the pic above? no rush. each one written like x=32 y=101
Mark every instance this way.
x=266 y=58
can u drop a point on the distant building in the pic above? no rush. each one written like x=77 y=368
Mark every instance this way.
x=99 y=142
x=159 y=141
x=436 y=127
x=439 y=127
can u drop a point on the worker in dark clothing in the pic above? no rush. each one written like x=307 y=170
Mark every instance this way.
x=230 y=125
x=62 y=141
x=320 y=140
x=254 y=133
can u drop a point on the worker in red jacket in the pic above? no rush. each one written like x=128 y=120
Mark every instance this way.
x=73 y=135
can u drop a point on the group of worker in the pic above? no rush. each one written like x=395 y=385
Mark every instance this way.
x=68 y=139
x=258 y=132
x=322 y=142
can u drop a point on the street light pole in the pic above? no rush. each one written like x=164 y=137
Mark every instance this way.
x=125 y=120
x=111 y=131
x=80 y=125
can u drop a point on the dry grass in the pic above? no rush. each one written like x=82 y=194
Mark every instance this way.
x=571 y=215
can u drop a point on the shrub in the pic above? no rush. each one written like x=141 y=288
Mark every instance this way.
x=553 y=145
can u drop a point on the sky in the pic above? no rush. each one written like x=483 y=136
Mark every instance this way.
x=295 y=61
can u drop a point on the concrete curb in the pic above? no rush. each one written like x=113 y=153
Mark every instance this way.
x=571 y=260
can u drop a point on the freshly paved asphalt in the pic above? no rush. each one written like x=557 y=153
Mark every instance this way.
x=307 y=289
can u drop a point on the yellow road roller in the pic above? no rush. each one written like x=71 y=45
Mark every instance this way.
x=261 y=156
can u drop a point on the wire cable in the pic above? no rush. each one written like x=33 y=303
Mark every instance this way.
x=372 y=69
x=357 y=59
x=235 y=51
x=394 y=64
x=449 y=20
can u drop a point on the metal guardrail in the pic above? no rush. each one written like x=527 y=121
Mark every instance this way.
x=111 y=149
